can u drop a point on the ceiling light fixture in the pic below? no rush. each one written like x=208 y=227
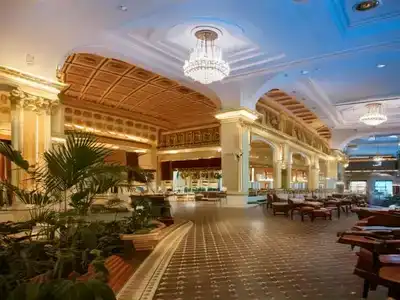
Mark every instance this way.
x=380 y=66
x=205 y=63
x=374 y=116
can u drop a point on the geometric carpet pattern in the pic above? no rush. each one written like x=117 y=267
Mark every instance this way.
x=233 y=253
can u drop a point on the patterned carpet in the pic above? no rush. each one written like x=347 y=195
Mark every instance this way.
x=233 y=253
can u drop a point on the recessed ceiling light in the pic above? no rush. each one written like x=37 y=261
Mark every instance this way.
x=304 y=72
x=123 y=8
x=366 y=5
x=380 y=66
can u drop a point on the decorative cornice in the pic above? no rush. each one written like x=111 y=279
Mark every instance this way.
x=242 y=113
x=30 y=77
x=29 y=80
x=32 y=102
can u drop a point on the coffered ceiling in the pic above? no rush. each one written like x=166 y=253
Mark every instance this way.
x=325 y=51
x=120 y=86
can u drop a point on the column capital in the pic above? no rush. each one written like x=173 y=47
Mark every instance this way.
x=240 y=114
x=32 y=102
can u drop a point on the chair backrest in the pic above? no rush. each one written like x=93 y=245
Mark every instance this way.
x=275 y=197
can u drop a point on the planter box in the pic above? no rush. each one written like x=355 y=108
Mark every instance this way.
x=146 y=241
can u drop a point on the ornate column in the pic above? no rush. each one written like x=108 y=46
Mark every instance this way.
x=149 y=161
x=57 y=121
x=277 y=174
x=313 y=171
x=235 y=148
x=30 y=128
x=287 y=167
x=332 y=173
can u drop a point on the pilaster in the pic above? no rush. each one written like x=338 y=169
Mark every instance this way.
x=313 y=171
x=286 y=167
x=235 y=147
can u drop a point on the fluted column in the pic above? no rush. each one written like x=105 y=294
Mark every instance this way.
x=332 y=174
x=30 y=128
x=277 y=174
x=286 y=167
x=313 y=174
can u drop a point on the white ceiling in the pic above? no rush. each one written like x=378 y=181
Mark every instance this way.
x=324 y=51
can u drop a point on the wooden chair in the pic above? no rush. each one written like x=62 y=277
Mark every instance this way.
x=280 y=208
x=269 y=201
x=324 y=213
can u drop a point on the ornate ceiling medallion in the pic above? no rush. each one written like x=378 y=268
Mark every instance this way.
x=366 y=5
x=205 y=63
x=374 y=116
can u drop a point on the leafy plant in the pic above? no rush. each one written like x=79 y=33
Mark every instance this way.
x=55 y=287
x=72 y=173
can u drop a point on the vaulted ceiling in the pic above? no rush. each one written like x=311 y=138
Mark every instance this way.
x=122 y=87
x=335 y=57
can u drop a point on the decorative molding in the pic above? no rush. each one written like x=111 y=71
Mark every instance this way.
x=190 y=138
x=114 y=127
x=31 y=102
x=287 y=126
x=23 y=78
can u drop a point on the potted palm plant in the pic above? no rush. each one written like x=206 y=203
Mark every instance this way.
x=71 y=174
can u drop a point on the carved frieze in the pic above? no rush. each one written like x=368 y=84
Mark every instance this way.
x=32 y=102
x=107 y=124
x=292 y=128
x=190 y=138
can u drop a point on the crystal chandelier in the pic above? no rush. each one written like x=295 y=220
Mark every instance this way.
x=374 y=116
x=205 y=63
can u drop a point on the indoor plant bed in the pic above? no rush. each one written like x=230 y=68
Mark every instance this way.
x=145 y=239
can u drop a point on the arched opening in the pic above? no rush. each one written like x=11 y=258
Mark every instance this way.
x=261 y=162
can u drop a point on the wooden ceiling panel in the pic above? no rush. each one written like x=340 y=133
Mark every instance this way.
x=101 y=85
x=105 y=77
x=125 y=87
x=80 y=70
x=141 y=74
x=88 y=60
x=71 y=78
x=120 y=89
x=298 y=109
x=116 y=66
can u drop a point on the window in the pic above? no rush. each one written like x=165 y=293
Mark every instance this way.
x=384 y=187
x=358 y=187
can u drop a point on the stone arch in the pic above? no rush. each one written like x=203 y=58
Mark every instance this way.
x=275 y=147
x=344 y=137
x=306 y=157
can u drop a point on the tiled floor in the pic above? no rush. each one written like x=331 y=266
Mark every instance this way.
x=233 y=253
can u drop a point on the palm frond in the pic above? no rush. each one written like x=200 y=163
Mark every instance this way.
x=14 y=156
